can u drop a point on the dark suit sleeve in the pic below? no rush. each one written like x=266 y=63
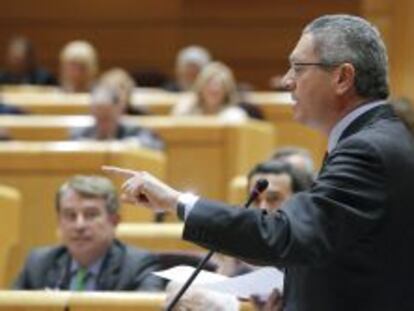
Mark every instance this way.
x=345 y=205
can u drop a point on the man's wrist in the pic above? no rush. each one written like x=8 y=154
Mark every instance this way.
x=185 y=204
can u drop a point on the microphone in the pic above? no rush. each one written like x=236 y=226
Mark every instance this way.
x=259 y=187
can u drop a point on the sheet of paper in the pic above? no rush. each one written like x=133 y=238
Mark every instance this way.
x=181 y=274
x=260 y=282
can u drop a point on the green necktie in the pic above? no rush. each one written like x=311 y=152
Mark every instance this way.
x=80 y=279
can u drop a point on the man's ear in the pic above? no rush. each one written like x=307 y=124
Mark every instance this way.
x=345 y=78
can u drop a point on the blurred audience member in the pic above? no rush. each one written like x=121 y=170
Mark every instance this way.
x=6 y=109
x=200 y=299
x=107 y=108
x=215 y=95
x=90 y=258
x=189 y=63
x=284 y=180
x=21 y=65
x=296 y=156
x=78 y=67
x=9 y=109
x=122 y=82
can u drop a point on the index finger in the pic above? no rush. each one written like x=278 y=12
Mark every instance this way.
x=124 y=172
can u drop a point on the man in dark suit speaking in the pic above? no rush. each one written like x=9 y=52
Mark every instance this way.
x=347 y=243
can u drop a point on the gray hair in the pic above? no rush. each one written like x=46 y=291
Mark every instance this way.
x=193 y=54
x=91 y=187
x=351 y=39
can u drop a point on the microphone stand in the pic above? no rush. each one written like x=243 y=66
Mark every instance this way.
x=259 y=187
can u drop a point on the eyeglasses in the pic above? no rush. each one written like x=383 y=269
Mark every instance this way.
x=298 y=67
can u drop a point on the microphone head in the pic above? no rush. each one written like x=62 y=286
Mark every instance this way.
x=261 y=185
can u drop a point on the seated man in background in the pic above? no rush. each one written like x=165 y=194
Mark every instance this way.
x=107 y=108
x=284 y=180
x=90 y=258
x=21 y=65
x=298 y=157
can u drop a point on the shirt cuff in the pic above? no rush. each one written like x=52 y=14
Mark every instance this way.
x=186 y=202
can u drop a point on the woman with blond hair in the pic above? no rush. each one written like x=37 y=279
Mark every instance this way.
x=215 y=94
x=78 y=67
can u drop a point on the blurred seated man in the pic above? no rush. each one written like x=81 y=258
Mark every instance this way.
x=284 y=180
x=107 y=108
x=21 y=65
x=297 y=157
x=78 y=67
x=90 y=258
x=189 y=63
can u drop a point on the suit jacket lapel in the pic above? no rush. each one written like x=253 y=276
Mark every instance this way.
x=111 y=268
x=380 y=112
x=58 y=277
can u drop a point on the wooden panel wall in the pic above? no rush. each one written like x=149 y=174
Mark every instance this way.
x=254 y=37
x=394 y=20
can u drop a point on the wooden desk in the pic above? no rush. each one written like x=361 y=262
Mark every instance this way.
x=87 y=301
x=155 y=237
x=58 y=103
x=10 y=227
x=111 y=301
x=203 y=153
x=34 y=301
x=123 y=302
x=276 y=107
x=38 y=169
x=51 y=103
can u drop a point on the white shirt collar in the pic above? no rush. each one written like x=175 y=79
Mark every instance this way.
x=341 y=126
